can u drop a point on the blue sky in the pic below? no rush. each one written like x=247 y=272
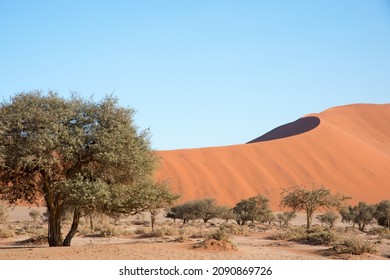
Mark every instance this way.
x=201 y=73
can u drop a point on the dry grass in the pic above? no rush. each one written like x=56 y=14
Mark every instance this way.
x=355 y=246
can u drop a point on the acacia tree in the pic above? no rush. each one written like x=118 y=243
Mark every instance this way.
x=204 y=209
x=251 y=209
x=328 y=218
x=382 y=213
x=285 y=218
x=300 y=198
x=150 y=196
x=363 y=214
x=73 y=154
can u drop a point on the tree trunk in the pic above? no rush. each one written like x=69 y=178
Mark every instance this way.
x=91 y=226
x=54 y=235
x=309 y=215
x=152 y=219
x=73 y=228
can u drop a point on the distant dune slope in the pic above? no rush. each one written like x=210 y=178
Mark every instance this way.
x=346 y=149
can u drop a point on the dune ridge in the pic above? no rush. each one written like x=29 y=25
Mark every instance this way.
x=347 y=150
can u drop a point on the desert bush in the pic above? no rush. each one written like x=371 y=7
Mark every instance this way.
x=285 y=218
x=253 y=209
x=3 y=214
x=204 y=209
x=31 y=229
x=313 y=236
x=158 y=232
x=235 y=229
x=226 y=213
x=361 y=214
x=34 y=214
x=166 y=231
x=220 y=234
x=183 y=235
x=290 y=234
x=381 y=232
x=382 y=213
x=217 y=239
x=317 y=237
x=328 y=218
x=106 y=230
x=143 y=230
x=354 y=246
x=6 y=232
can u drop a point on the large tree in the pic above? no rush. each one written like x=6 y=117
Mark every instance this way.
x=302 y=198
x=72 y=154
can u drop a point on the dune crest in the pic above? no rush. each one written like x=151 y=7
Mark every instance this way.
x=297 y=127
x=346 y=149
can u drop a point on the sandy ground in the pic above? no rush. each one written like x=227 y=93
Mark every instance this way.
x=255 y=246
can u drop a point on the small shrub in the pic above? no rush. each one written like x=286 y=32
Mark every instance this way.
x=320 y=237
x=355 y=246
x=285 y=218
x=143 y=230
x=291 y=234
x=328 y=218
x=34 y=214
x=381 y=232
x=314 y=236
x=3 y=214
x=218 y=240
x=220 y=235
x=30 y=229
x=106 y=230
x=235 y=229
x=6 y=232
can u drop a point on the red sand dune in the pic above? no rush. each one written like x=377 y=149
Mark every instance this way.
x=346 y=149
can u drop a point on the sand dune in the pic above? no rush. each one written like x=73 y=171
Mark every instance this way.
x=346 y=149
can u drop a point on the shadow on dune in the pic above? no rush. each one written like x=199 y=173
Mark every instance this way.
x=297 y=127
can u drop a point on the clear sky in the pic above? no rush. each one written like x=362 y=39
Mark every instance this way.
x=201 y=73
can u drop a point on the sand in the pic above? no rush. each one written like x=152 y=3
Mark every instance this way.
x=347 y=152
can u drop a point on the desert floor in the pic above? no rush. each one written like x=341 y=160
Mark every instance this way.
x=133 y=244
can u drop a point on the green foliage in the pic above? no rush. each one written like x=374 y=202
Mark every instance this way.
x=361 y=214
x=226 y=213
x=300 y=198
x=285 y=218
x=254 y=208
x=382 y=213
x=346 y=214
x=328 y=218
x=204 y=209
x=149 y=196
x=78 y=154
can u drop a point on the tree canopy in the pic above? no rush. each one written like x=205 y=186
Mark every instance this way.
x=301 y=198
x=251 y=209
x=71 y=153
